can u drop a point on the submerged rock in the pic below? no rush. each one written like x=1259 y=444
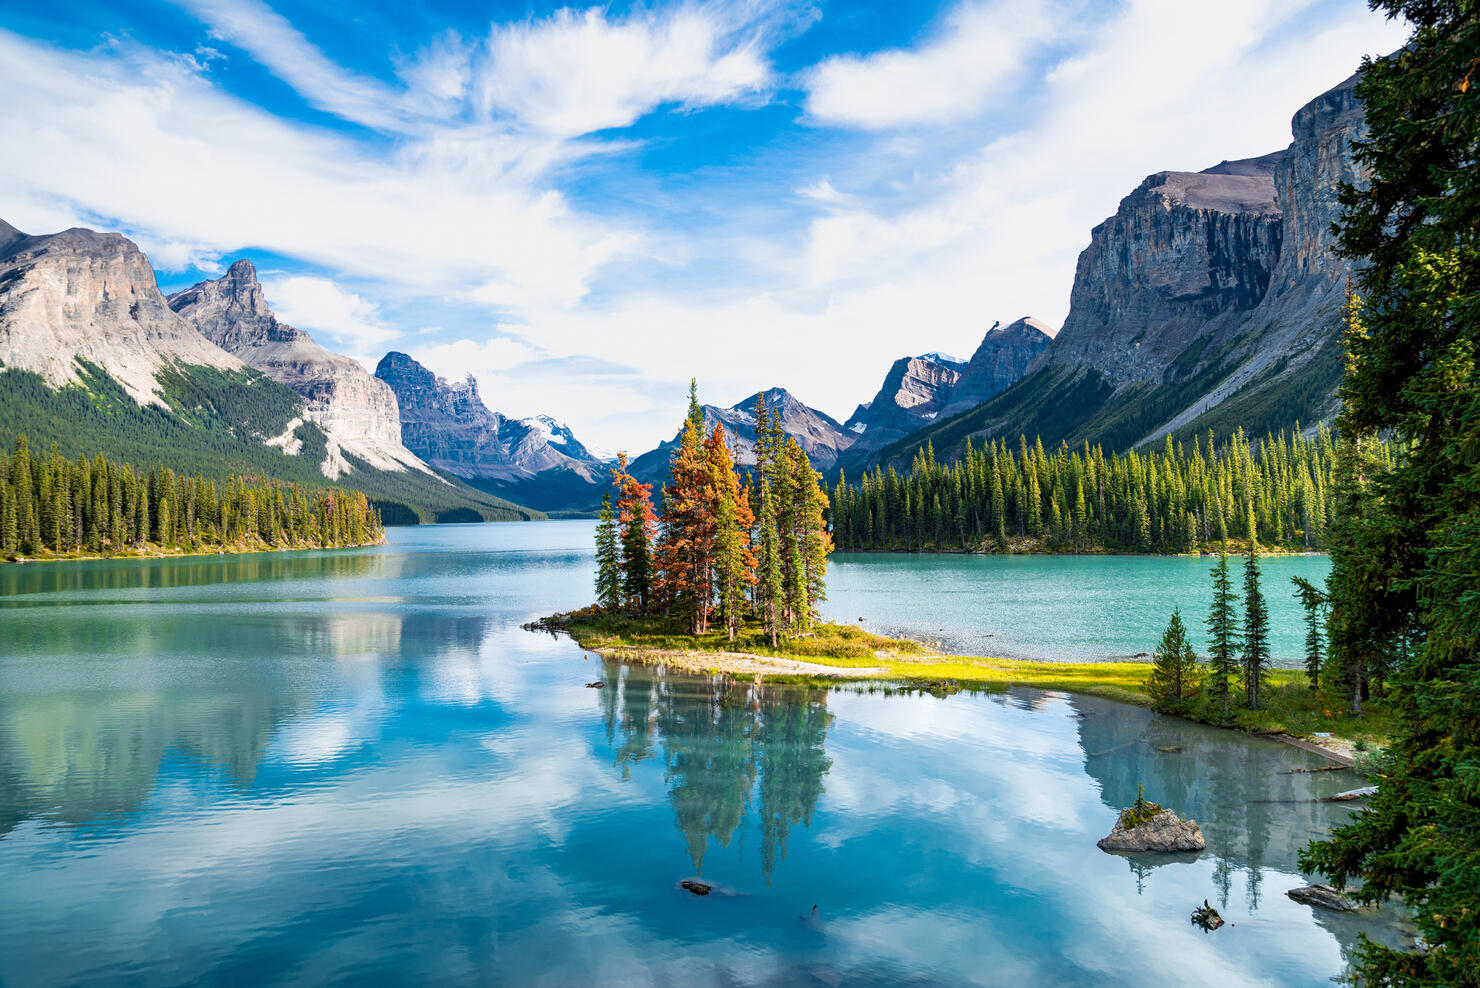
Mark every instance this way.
x=1164 y=833
x=1322 y=896
x=695 y=886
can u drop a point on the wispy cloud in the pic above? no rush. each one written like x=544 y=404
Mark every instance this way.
x=324 y=307
x=970 y=62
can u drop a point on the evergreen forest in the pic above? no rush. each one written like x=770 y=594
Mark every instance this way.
x=1181 y=498
x=53 y=506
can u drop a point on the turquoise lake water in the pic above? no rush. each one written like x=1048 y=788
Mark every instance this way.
x=1063 y=608
x=354 y=767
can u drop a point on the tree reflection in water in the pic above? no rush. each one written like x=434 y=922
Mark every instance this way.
x=729 y=747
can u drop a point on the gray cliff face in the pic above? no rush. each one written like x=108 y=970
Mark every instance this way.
x=448 y=425
x=1185 y=256
x=915 y=391
x=820 y=436
x=1299 y=315
x=920 y=390
x=357 y=412
x=1001 y=361
x=93 y=296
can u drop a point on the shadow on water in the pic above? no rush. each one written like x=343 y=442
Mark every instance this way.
x=731 y=750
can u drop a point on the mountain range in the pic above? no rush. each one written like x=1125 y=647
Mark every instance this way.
x=1209 y=299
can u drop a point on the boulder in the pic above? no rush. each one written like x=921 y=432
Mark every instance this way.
x=1162 y=833
x=1322 y=896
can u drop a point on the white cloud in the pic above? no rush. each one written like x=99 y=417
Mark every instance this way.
x=578 y=72
x=460 y=358
x=320 y=305
x=982 y=48
x=268 y=37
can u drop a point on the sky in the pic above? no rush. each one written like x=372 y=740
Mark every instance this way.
x=584 y=207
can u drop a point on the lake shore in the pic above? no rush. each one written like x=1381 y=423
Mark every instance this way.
x=836 y=654
x=152 y=551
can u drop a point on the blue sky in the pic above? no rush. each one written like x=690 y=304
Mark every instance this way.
x=585 y=206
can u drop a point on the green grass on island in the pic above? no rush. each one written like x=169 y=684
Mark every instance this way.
x=1288 y=705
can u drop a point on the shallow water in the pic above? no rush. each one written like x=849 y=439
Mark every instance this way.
x=354 y=766
x=1060 y=608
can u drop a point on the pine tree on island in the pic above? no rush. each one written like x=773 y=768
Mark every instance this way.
x=720 y=546
x=608 y=556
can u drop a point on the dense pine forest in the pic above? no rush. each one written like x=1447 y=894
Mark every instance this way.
x=52 y=506
x=1179 y=499
x=736 y=549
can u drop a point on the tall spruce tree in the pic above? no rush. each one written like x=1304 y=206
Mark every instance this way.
x=608 y=556
x=1256 y=624
x=734 y=559
x=638 y=527
x=1223 y=633
x=770 y=583
x=1313 y=602
x=1414 y=372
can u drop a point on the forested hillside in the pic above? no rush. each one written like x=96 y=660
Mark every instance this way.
x=214 y=423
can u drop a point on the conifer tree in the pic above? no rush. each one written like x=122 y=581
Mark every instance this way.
x=1256 y=624
x=638 y=527
x=1313 y=601
x=770 y=585
x=734 y=560
x=608 y=556
x=1174 y=673
x=1223 y=633
x=1410 y=569
x=686 y=542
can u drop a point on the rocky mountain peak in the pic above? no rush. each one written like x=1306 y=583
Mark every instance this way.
x=357 y=412
x=449 y=426
x=232 y=310
x=93 y=296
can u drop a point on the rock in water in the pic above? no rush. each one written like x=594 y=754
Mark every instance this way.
x=1344 y=797
x=1323 y=896
x=695 y=886
x=1207 y=917
x=1163 y=833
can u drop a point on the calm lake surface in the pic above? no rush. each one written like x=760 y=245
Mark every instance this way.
x=1062 y=608
x=354 y=767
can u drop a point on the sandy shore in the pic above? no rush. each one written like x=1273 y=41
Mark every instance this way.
x=739 y=663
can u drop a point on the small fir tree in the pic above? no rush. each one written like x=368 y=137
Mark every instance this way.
x=1313 y=601
x=1174 y=674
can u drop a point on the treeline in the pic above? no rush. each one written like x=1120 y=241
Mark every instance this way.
x=721 y=545
x=1178 y=499
x=50 y=505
